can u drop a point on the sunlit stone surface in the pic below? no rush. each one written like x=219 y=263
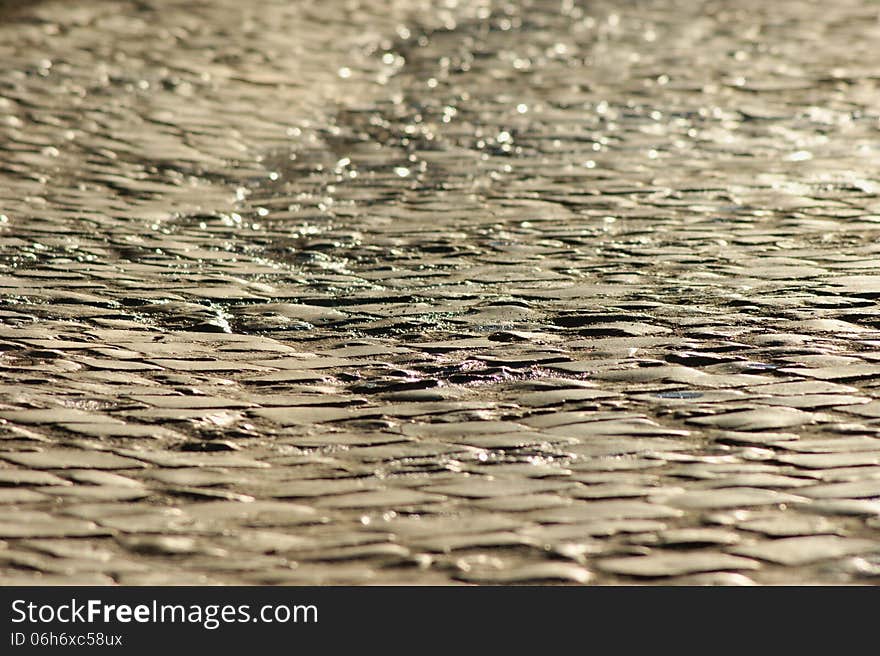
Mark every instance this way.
x=460 y=292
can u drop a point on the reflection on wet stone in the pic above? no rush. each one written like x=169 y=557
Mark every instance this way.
x=481 y=293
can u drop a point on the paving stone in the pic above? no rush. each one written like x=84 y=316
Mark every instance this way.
x=57 y=416
x=321 y=488
x=404 y=449
x=469 y=541
x=71 y=459
x=603 y=446
x=658 y=565
x=859 y=568
x=713 y=579
x=539 y=573
x=608 y=510
x=252 y=514
x=846 y=373
x=12 y=496
x=312 y=415
x=820 y=461
x=852 y=490
x=484 y=488
x=730 y=498
x=22 y=477
x=166 y=546
x=190 y=402
x=559 y=397
x=844 y=507
x=16 y=578
x=616 y=491
x=786 y=525
x=871 y=409
x=39 y=525
x=335 y=574
x=697 y=537
x=201 y=366
x=428 y=525
x=164 y=578
x=387 y=499
x=756 y=480
x=844 y=474
x=806 y=549
x=635 y=427
x=521 y=503
x=178 y=459
x=833 y=445
x=128 y=430
x=164 y=522
x=753 y=420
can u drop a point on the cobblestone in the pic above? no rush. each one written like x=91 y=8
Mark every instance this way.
x=395 y=292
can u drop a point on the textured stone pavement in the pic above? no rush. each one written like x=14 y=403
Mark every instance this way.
x=342 y=292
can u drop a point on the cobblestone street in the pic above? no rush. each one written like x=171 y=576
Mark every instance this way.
x=423 y=292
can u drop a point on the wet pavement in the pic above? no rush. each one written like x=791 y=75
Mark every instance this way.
x=380 y=292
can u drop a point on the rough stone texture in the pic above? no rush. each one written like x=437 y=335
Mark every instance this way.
x=384 y=292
